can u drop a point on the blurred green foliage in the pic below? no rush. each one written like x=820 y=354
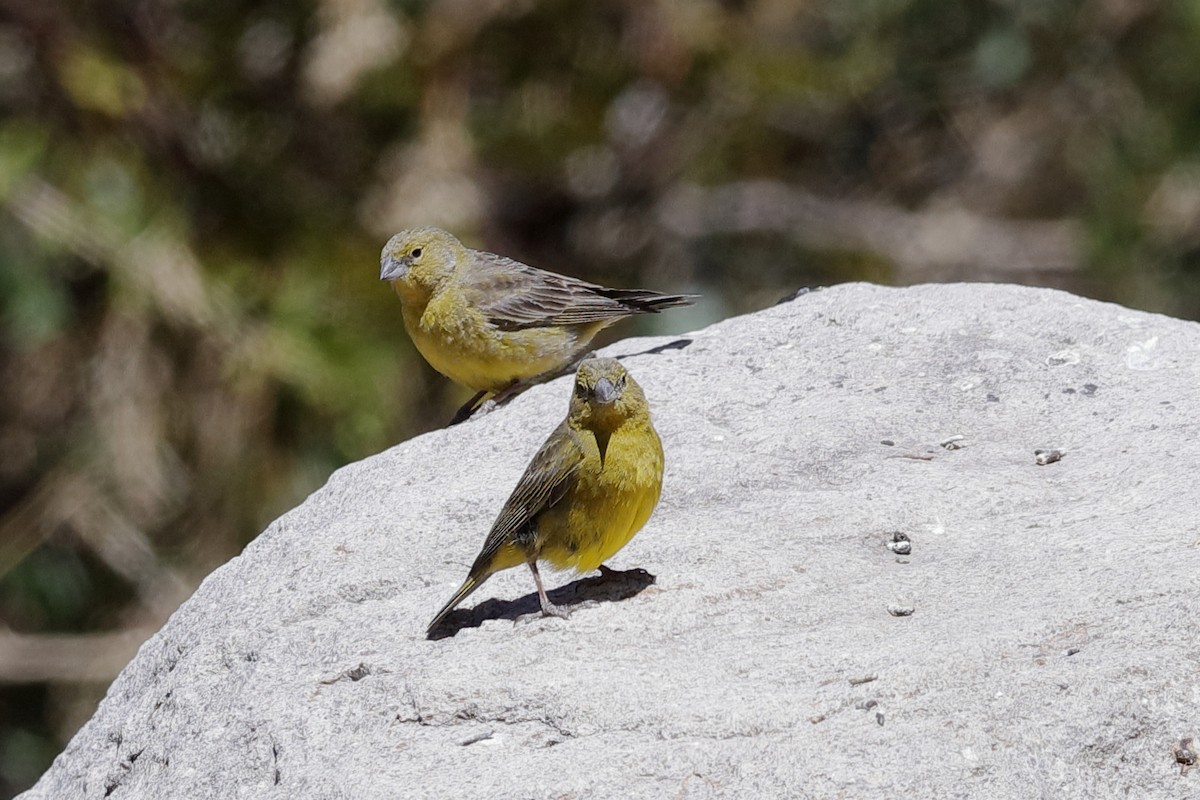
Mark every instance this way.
x=194 y=194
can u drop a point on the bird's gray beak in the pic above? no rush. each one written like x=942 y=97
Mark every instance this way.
x=605 y=392
x=391 y=268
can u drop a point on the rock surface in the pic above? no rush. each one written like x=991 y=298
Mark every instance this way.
x=1051 y=649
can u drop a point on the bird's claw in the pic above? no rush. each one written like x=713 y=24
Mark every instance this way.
x=551 y=610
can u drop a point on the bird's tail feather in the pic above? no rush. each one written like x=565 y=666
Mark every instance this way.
x=656 y=304
x=647 y=301
x=469 y=585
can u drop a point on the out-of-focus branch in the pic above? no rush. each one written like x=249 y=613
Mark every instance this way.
x=50 y=214
x=92 y=657
x=934 y=242
x=119 y=543
x=125 y=402
x=163 y=267
x=67 y=499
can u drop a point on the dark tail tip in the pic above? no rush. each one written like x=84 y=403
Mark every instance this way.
x=660 y=302
x=469 y=585
x=647 y=302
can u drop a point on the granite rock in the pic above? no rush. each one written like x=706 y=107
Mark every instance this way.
x=1037 y=637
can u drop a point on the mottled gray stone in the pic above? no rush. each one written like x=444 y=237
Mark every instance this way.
x=1052 y=650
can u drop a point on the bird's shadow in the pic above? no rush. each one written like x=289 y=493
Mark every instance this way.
x=610 y=586
x=677 y=344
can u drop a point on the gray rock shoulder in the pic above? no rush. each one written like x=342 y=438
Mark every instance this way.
x=1048 y=648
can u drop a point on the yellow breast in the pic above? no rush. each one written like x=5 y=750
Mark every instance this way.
x=459 y=342
x=608 y=503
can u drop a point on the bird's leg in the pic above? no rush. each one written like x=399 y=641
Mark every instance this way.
x=468 y=408
x=548 y=608
x=477 y=406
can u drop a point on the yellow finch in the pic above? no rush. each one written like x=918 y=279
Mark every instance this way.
x=587 y=491
x=493 y=324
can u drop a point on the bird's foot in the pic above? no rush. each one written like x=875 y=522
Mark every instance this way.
x=478 y=407
x=551 y=610
x=504 y=395
x=486 y=407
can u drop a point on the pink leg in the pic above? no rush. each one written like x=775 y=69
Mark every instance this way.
x=548 y=608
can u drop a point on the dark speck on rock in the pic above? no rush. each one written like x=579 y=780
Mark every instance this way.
x=1185 y=755
x=1044 y=457
x=899 y=543
x=803 y=290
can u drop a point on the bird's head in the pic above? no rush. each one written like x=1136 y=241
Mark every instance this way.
x=420 y=257
x=605 y=395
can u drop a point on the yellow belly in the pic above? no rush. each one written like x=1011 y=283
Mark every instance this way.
x=462 y=345
x=607 y=505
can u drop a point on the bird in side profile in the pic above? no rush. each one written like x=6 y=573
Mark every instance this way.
x=494 y=324
x=587 y=491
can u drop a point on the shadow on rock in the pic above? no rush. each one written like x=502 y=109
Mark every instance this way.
x=678 y=344
x=609 y=586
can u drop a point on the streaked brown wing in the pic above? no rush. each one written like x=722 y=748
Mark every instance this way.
x=514 y=296
x=543 y=484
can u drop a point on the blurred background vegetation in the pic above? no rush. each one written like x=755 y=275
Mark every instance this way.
x=193 y=195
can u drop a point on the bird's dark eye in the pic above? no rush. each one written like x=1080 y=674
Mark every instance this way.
x=416 y=252
x=581 y=390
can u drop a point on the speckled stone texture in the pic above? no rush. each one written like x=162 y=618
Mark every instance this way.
x=1052 y=649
